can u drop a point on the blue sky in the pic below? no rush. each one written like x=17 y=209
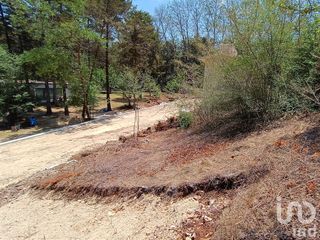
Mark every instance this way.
x=148 y=5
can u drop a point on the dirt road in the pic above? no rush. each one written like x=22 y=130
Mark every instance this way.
x=21 y=159
x=34 y=217
x=29 y=217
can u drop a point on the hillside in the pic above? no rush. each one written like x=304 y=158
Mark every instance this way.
x=232 y=183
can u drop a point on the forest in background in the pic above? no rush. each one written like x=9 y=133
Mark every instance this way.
x=92 y=45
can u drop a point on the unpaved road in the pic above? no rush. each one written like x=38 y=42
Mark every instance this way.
x=34 y=217
x=148 y=218
x=21 y=159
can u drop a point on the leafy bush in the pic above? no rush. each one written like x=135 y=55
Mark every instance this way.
x=175 y=84
x=10 y=65
x=151 y=86
x=272 y=72
x=130 y=86
x=115 y=77
x=303 y=70
x=185 y=119
x=15 y=101
x=90 y=89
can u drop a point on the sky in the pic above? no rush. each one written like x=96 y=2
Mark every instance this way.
x=148 y=5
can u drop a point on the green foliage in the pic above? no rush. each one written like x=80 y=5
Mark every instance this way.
x=303 y=74
x=92 y=94
x=9 y=65
x=49 y=62
x=15 y=99
x=115 y=77
x=175 y=84
x=133 y=85
x=83 y=89
x=185 y=119
x=99 y=77
x=139 y=43
x=90 y=45
x=130 y=86
x=150 y=85
x=180 y=70
x=275 y=70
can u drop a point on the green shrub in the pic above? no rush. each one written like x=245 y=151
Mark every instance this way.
x=15 y=99
x=151 y=86
x=185 y=119
x=175 y=84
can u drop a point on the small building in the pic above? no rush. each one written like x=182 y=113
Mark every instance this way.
x=39 y=90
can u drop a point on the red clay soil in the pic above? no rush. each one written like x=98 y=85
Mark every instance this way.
x=169 y=160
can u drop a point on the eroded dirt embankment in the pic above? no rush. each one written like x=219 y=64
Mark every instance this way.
x=164 y=161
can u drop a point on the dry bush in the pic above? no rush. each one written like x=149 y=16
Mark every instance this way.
x=234 y=88
x=210 y=108
x=171 y=122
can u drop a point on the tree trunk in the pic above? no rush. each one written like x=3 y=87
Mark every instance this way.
x=88 y=112
x=84 y=88
x=13 y=118
x=85 y=109
x=107 y=69
x=65 y=101
x=48 y=100
x=54 y=93
x=26 y=77
x=5 y=25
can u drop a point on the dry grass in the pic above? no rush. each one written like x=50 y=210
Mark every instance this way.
x=251 y=170
x=192 y=151
x=7 y=134
x=162 y=160
x=294 y=176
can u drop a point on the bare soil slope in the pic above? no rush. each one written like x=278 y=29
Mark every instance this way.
x=250 y=169
x=174 y=162
x=173 y=184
